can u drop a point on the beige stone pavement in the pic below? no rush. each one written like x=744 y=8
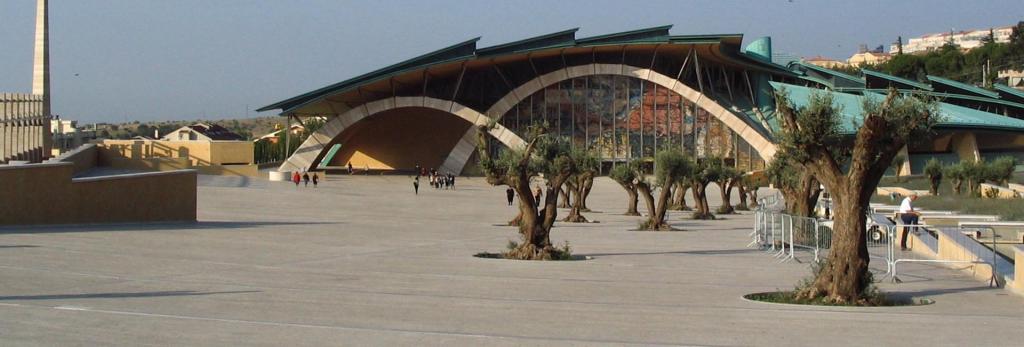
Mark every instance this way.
x=363 y=261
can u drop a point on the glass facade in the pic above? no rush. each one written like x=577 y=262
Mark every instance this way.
x=622 y=117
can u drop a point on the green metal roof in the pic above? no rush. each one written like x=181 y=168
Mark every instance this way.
x=963 y=86
x=904 y=81
x=851 y=106
x=467 y=50
x=659 y=33
x=1007 y=91
x=834 y=73
x=557 y=39
x=461 y=50
x=939 y=95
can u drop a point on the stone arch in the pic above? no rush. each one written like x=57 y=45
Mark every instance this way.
x=311 y=151
x=765 y=147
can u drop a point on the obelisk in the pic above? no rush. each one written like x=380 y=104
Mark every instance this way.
x=41 y=73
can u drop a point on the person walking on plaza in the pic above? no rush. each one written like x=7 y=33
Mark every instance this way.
x=510 y=194
x=316 y=179
x=350 y=168
x=416 y=185
x=537 y=196
x=417 y=170
x=908 y=216
x=452 y=178
x=305 y=178
x=296 y=178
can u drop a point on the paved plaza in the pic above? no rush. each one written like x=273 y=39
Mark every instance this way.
x=362 y=261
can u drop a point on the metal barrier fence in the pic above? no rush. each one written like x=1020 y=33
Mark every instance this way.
x=781 y=235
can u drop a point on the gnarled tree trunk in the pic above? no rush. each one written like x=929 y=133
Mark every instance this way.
x=656 y=211
x=632 y=198
x=679 y=197
x=701 y=208
x=587 y=186
x=563 y=194
x=753 y=198
x=742 y=206
x=577 y=187
x=802 y=200
x=844 y=275
x=725 y=188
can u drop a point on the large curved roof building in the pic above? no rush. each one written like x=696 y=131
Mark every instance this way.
x=624 y=95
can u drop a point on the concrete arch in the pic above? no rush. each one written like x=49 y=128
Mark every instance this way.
x=310 y=151
x=765 y=147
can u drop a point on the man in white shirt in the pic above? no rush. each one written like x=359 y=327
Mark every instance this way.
x=909 y=217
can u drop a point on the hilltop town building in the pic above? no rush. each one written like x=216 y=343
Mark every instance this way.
x=966 y=40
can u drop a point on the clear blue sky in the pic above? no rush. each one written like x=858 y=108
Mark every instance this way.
x=188 y=59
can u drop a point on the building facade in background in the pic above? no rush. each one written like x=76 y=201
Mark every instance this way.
x=623 y=96
x=202 y=132
x=827 y=63
x=67 y=135
x=867 y=58
x=966 y=40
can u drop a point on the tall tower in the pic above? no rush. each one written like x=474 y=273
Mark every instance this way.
x=41 y=75
x=41 y=69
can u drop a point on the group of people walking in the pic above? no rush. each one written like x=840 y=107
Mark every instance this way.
x=434 y=178
x=305 y=178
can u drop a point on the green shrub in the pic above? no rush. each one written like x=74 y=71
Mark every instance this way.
x=933 y=169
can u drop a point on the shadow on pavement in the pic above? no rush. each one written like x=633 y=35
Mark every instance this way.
x=704 y=252
x=119 y=295
x=934 y=292
x=169 y=226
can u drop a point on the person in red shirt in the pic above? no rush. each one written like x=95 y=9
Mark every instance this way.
x=296 y=178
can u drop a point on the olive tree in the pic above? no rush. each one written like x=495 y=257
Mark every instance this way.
x=957 y=174
x=679 y=196
x=728 y=178
x=586 y=165
x=543 y=155
x=705 y=171
x=626 y=175
x=798 y=187
x=933 y=169
x=897 y=165
x=850 y=171
x=670 y=166
x=748 y=186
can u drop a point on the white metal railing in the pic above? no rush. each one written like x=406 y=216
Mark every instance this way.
x=781 y=234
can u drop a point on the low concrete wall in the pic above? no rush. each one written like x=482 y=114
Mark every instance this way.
x=956 y=246
x=1018 y=272
x=145 y=156
x=147 y=164
x=200 y=153
x=997 y=191
x=230 y=158
x=84 y=157
x=1019 y=188
x=142 y=197
x=954 y=220
x=47 y=194
x=229 y=170
x=901 y=191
